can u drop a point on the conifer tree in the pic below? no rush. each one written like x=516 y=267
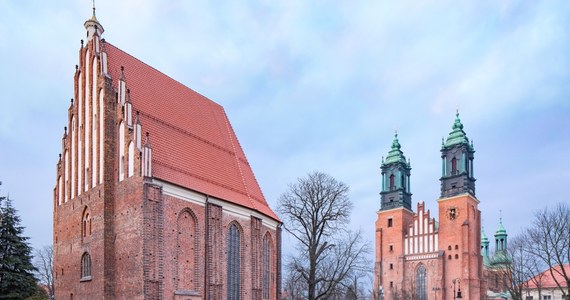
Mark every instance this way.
x=16 y=269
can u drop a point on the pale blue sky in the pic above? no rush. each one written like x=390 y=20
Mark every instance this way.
x=317 y=85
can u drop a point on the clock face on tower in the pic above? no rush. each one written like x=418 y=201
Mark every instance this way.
x=452 y=213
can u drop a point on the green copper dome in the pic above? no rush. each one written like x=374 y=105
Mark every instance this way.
x=457 y=136
x=501 y=230
x=395 y=155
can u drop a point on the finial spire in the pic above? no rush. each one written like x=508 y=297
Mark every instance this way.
x=93 y=8
x=501 y=216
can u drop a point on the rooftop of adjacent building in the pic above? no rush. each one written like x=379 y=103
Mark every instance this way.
x=546 y=279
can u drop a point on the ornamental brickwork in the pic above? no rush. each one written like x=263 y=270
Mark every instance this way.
x=146 y=215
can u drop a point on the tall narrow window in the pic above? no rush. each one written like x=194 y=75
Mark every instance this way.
x=392 y=182
x=86 y=266
x=266 y=265
x=453 y=166
x=233 y=263
x=86 y=224
x=421 y=292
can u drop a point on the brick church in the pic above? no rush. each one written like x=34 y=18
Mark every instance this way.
x=416 y=256
x=154 y=196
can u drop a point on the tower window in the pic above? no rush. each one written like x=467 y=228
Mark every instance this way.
x=456 y=256
x=391 y=248
x=391 y=283
x=392 y=186
x=391 y=266
x=453 y=166
x=85 y=267
x=86 y=224
x=390 y=223
x=456 y=247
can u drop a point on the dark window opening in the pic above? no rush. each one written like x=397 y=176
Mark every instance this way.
x=86 y=266
x=453 y=166
x=392 y=187
x=421 y=292
x=391 y=248
x=390 y=223
x=233 y=280
x=266 y=265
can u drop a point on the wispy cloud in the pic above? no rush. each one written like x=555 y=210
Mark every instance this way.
x=316 y=85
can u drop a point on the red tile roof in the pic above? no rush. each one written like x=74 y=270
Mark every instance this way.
x=546 y=279
x=193 y=142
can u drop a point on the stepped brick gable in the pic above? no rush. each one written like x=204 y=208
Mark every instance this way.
x=154 y=196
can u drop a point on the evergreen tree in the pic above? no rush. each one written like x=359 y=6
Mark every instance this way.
x=16 y=269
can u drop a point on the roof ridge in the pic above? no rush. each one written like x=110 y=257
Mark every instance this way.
x=162 y=73
x=228 y=128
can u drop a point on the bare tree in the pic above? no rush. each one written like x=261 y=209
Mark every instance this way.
x=44 y=264
x=294 y=284
x=316 y=211
x=549 y=240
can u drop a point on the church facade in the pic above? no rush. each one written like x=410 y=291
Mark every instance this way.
x=416 y=256
x=154 y=197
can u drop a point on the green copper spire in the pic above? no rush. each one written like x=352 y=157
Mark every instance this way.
x=484 y=238
x=395 y=154
x=457 y=135
x=485 y=248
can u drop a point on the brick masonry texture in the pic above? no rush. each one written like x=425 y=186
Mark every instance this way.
x=149 y=237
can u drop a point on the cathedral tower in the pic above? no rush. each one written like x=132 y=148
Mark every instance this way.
x=394 y=218
x=459 y=216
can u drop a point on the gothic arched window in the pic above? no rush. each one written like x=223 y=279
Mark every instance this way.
x=421 y=292
x=453 y=166
x=86 y=224
x=86 y=266
x=392 y=182
x=266 y=265
x=233 y=263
